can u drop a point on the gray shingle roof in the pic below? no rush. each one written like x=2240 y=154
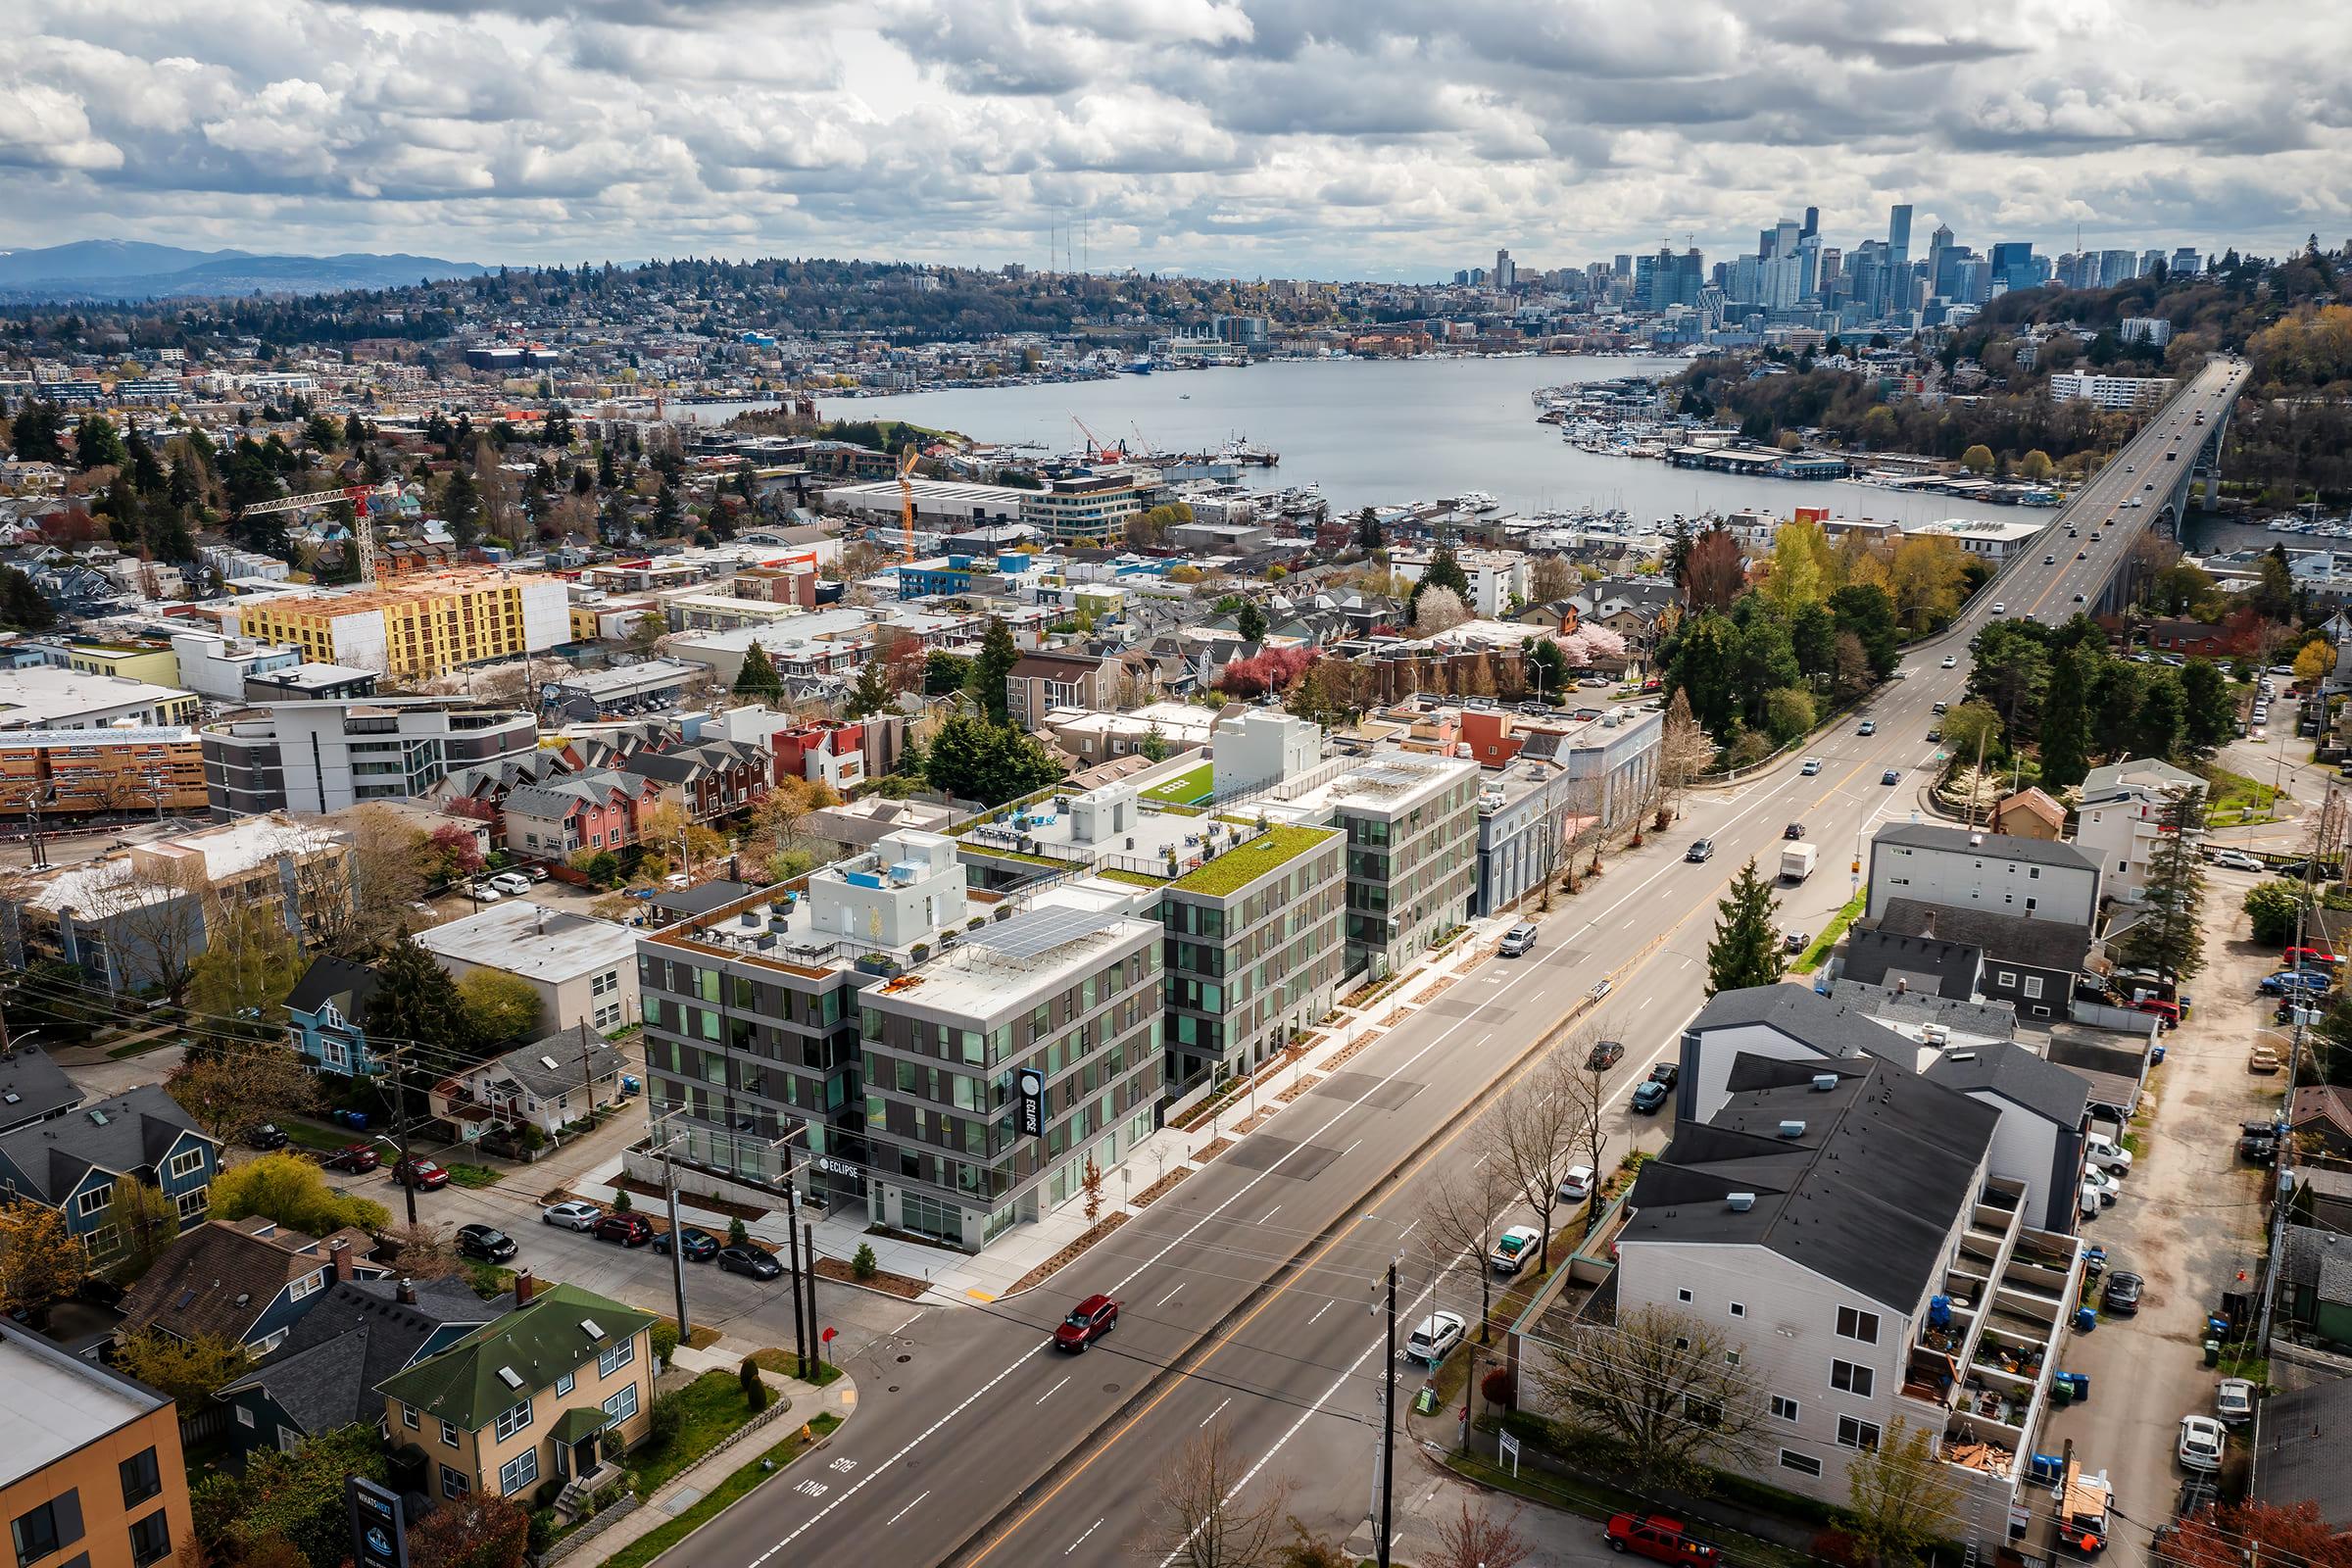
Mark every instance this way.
x=221 y=1276
x=2018 y=1076
x=346 y=984
x=1831 y=1026
x=2042 y=942
x=1992 y=846
x=2303 y=1450
x=326 y=1374
x=1864 y=1194
x=566 y=1047
x=1872 y=955
x=131 y=1132
x=32 y=1087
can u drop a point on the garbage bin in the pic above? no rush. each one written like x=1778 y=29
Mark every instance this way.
x=2212 y=1353
x=2062 y=1393
x=2081 y=1383
x=2085 y=1320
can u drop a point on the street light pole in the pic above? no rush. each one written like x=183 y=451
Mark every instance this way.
x=1387 y=1425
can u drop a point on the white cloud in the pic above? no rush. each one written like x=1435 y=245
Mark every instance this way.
x=1330 y=137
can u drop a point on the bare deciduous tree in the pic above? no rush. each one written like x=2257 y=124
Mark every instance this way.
x=1684 y=754
x=1532 y=1134
x=1200 y=1522
x=1474 y=1540
x=1661 y=1385
x=384 y=876
x=1460 y=1218
x=155 y=916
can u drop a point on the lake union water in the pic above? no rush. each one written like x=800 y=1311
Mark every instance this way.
x=1387 y=431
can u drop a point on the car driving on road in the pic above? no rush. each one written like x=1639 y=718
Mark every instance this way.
x=1086 y=1323
x=1604 y=1054
x=1700 y=849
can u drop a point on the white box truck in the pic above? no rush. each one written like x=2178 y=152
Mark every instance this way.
x=1798 y=861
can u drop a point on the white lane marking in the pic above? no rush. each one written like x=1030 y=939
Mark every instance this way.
x=1319 y=1312
x=1645 y=1002
x=1171 y=1296
x=910 y=1508
x=1222 y=1403
x=962 y=1406
x=1408 y=1230
x=1081 y=1541
x=1270 y=1213
x=1050 y=1393
x=904 y=1327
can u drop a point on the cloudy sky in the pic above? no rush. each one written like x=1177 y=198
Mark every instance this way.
x=1355 y=138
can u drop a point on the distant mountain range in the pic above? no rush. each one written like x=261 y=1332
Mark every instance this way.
x=102 y=270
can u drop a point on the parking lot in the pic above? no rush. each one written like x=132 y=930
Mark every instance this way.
x=2189 y=1219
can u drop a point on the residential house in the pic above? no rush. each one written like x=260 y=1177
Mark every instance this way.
x=2029 y=814
x=707 y=780
x=2321 y=1118
x=1838 y=1226
x=1041 y=682
x=584 y=970
x=2190 y=637
x=327 y=1010
x=555 y=1390
x=248 y=1281
x=326 y=1371
x=597 y=809
x=91 y=1471
x=2303 y=1453
x=33 y=1088
x=2315 y=1285
x=71 y=1164
x=2120 y=817
x=545 y=1084
x=2025 y=961
x=1959 y=870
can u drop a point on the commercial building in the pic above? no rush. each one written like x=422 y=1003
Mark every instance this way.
x=2110 y=391
x=938 y=502
x=49 y=696
x=648 y=686
x=582 y=969
x=1411 y=823
x=77 y=773
x=420 y=626
x=219 y=666
x=153 y=663
x=325 y=757
x=2154 y=331
x=1991 y=538
x=90 y=1465
x=560 y=1387
x=1093 y=506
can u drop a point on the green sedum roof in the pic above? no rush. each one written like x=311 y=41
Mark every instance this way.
x=539 y=1343
x=1245 y=863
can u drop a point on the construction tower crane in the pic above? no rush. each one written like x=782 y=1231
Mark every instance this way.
x=366 y=501
x=906 y=461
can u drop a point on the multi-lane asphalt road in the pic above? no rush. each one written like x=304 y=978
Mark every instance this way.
x=1246 y=1291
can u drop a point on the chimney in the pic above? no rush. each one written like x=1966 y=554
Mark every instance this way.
x=1927 y=928
x=523 y=1287
x=406 y=1291
x=339 y=1250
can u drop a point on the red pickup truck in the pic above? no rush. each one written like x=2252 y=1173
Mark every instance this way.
x=1660 y=1537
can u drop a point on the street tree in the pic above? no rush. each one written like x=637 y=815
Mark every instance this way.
x=1971 y=730
x=1460 y=1218
x=294 y=1192
x=1662 y=1387
x=230 y=1086
x=1478 y=1540
x=2167 y=936
x=1899 y=1496
x=1684 y=754
x=1532 y=1134
x=1200 y=1520
x=1747 y=950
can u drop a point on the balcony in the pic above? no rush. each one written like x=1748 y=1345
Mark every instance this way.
x=2009 y=1328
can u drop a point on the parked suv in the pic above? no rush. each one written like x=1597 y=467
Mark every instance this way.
x=625 y=1230
x=1088 y=1322
x=511 y=882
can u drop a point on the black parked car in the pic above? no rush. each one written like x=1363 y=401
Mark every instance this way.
x=2119 y=1297
x=268 y=1136
x=697 y=1245
x=751 y=1261
x=486 y=1243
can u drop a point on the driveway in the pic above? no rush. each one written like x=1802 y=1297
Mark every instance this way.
x=2191 y=1217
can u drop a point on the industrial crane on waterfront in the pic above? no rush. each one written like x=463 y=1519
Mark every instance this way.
x=906 y=461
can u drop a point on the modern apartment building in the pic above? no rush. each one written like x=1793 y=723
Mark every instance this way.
x=418 y=626
x=2110 y=391
x=53 y=697
x=328 y=755
x=1094 y=506
x=76 y=772
x=91 y=1465
x=1411 y=823
x=2033 y=878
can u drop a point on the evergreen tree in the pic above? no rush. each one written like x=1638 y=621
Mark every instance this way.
x=145 y=472
x=1367 y=530
x=2166 y=936
x=608 y=475
x=97 y=444
x=665 y=509
x=1445 y=571
x=1249 y=622
x=556 y=430
x=2156 y=728
x=416 y=1002
x=2065 y=725
x=871 y=692
x=1747 y=950
x=461 y=508
x=22 y=607
x=355 y=430
x=992 y=763
x=758 y=678
x=2209 y=717
x=994 y=662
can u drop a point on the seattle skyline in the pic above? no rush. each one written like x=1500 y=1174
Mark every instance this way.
x=1217 y=136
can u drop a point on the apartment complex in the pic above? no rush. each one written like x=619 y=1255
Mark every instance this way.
x=418 y=626
x=2110 y=391
x=77 y=773
x=53 y=697
x=90 y=1465
x=1094 y=506
x=583 y=970
x=2121 y=819
x=1411 y=823
x=329 y=755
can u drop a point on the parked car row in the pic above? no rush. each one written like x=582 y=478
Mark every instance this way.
x=695 y=1244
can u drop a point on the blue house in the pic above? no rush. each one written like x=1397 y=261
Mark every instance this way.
x=71 y=1163
x=328 y=1013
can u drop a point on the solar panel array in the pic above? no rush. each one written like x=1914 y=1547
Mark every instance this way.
x=1025 y=936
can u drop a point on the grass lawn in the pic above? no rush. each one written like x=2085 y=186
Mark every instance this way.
x=646 y=1548
x=1812 y=958
x=475 y=1177
x=1186 y=787
x=324 y=1140
x=1595 y=1500
x=489 y=1281
x=708 y=1408
x=2237 y=800
x=1245 y=863
x=780 y=1362
x=140 y=1048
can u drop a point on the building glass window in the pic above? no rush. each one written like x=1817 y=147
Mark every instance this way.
x=142 y=1477
x=1784 y=1409
x=449 y=1435
x=512 y=1421
x=621 y=1406
x=1805 y=1464
x=1853 y=1433
x=518 y=1472
x=1856 y=1324
x=615 y=1357
x=1847 y=1378
x=53 y=1525
x=151 y=1540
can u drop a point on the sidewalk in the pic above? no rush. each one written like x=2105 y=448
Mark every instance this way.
x=799 y=1404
